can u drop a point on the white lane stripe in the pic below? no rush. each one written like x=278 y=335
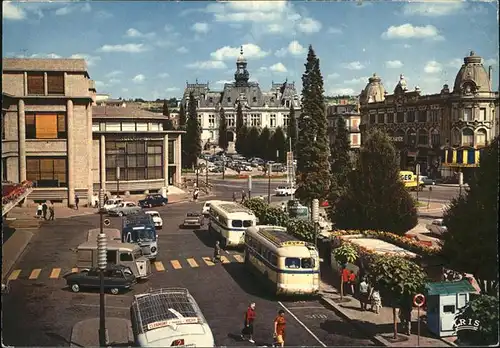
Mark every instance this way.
x=316 y=307
x=303 y=325
x=94 y=305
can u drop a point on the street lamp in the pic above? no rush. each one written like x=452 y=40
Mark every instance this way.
x=269 y=183
x=118 y=182
x=223 y=165
x=206 y=171
x=197 y=171
x=102 y=260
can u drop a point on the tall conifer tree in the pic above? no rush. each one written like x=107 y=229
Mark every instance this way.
x=193 y=134
x=292 y=129
x=182 y=116
x=223 y=141
x=340 y=160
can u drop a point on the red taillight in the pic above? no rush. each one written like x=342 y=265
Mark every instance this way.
x=177 y=343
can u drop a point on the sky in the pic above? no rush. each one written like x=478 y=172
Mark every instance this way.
x=150 y=49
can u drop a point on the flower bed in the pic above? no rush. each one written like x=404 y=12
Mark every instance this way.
x=12 y=192
x=245 y=176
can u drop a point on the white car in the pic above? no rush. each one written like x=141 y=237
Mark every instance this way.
x=156 y=218
x=436 y=227
x=124 y=208
x=284 y=191
x=112 y=203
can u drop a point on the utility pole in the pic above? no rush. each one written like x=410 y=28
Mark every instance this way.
x=417 y=169
x=206 y=172
x=269 y=183
x=118 y=182
x=102 y=261
x=315 y=218
x=197 y=170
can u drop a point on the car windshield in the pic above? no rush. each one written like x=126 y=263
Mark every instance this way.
x=146 y=234
x=154 y=214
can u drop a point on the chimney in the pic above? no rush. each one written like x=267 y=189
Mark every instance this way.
x=490 y=73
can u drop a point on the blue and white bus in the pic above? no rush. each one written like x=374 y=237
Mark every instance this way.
x=140 y=229
x=287 y=265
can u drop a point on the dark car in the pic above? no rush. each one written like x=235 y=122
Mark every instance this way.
x=154 y=200
x=193 y=220
x=116 y=279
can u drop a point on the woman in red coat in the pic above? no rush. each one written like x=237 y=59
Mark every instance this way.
x=247 y=330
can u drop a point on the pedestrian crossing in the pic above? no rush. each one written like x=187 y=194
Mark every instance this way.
x=156 y=267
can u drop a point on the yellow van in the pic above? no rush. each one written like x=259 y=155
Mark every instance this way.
x=410 y=180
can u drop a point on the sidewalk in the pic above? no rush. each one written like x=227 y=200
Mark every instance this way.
x=378 y=326
x=85 y=333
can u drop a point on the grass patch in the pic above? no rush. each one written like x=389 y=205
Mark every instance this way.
x=421 y=204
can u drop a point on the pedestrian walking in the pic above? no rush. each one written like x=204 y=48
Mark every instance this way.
x=234 y=197
x=39 y=210
x=77 y=201
x=352 y=282
x=51 y=211
x=364 y=290
x=196 y=192
x=375 y=300
x=345 y=280
x=279 y=329
x=243 y=196
x=216 y=257
x=247 y=331
x=106 y=198
x=44 y=210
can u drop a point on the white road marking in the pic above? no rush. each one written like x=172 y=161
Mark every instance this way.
x=95 y=305
x=315 y=307
x=302 y=324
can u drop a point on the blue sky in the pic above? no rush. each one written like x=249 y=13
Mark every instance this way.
x=149 y=49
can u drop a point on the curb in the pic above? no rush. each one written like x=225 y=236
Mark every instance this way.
x=341 y=313
x=19 y=253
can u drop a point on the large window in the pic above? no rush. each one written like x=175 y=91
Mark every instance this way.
x=36 y=84
x=47 y=171
x=435 y=138
x=421 y=116
x=467 y=137
x=138 y=160
x=211 y=121
x=423 y=137
x=410 y=116
x=171 y=152
x=286 y=120
x=434 y=115
x=481 y=137
x=46 y=126
x=467 y=114
x=230 y=120
x=272 y=120
x=55 y=83
x=400 y=117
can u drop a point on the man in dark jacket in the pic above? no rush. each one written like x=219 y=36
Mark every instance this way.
x=77 y=200
x=44 y=210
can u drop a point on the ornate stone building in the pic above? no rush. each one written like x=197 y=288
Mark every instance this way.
x=422 y=127
x=260 y=108
x=348 y=108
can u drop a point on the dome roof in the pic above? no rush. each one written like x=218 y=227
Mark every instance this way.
x=374 y=91
x=241 y=58
x=472 y=76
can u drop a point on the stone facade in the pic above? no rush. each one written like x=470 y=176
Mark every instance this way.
x=423 y=126
x=348 y=108
x=260 y=108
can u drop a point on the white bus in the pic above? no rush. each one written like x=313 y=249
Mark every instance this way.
x=289 y=266
x=169 y=317
x=230 y=220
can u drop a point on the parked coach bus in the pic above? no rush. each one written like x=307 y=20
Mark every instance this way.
x=140 y=229
x=230 y=220
x=289 y=266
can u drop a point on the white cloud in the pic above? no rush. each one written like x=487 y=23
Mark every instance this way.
x=103 y=15
x=12 y=12
x=229 y=53
x=222 y=82
x=333 y=30
x=491 y=61
x=100 y=84
x=275 y=28
x=354 y=66
x=455 y=63
x=139 y=78
x=433 y=9
x=278 y=67
x=207 y=65
x=63 y=11
x=113 y=82
x=294 y=48
x=333 y=76
x=309 y=26
x=66 y=10
x=433 y=67
x=357 y=81
x=134 y=33
x=124 y=89
x=91 y=60
x=200 y=27
x=408 y=31
x=182 y=50
x=172 y=89
x=114 y=73
x=44 y=55
x=129 y=48
x=341 y=91
x=393 y=64
x=163 y=75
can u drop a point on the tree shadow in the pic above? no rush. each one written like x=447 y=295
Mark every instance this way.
x=205 y=237
x=248 y=282
x=386 y=330
x=342 y=328
x=7 y=231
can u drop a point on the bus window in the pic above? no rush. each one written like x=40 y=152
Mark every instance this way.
x=292 y=262
x=307 y=263
x=274 y=259
x=126 y=257
x=237 y=223
x=247 y=223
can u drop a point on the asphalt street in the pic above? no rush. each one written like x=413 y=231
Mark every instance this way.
x=40 y=311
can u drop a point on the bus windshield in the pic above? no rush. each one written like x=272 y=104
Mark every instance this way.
x=144 y=234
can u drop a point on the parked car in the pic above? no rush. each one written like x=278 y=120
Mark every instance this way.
x=284 y=191
x=193 y=219
x=116 y=278
x=154 y=200
x=124 y=208
x=436 y=227
x=427 y=181
x=158 y=221
x=112 y=203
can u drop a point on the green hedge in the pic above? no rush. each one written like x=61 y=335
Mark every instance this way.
x=268 y=215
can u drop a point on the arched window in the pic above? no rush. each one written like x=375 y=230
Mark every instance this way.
x=411 y=137
x=467 y=137
x=435 y=138
x=455 y=137
x=423 y=137
x=481 y=137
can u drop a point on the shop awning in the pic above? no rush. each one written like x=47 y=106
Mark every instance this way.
x=462 y=157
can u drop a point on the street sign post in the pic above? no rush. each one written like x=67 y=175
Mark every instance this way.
x=249 y=186
x=419 y=301
x=418 y=178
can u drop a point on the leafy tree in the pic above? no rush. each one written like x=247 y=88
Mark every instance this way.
x=398 y=279
x=252 y=142
x=182 y=117
x=279 y=144
x=242 y=141
x=313 y=168
x=165 y=110
x=172 y=102
x=264 y=146
x=193 y=134
x=344 y=254
x=340 y=160
x=292 y=130
x=223 y=140
x=477 y=211
x=239 y=144
x=375 y=198
x=484 y=309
